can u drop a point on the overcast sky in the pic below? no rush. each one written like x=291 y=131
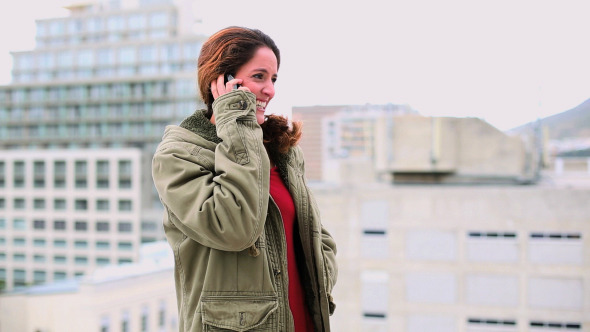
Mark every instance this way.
x=506 y=61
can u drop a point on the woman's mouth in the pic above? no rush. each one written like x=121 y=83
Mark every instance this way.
x=260 y=105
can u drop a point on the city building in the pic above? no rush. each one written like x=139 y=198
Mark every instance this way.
x=109 y=76
x=65 y=212
x=118 y=298
x=449 y=225
x=336 y=133
x=460 y=258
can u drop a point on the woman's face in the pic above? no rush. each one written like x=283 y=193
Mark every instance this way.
x=259 y=75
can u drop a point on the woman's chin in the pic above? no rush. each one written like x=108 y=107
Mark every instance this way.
x=260 y=116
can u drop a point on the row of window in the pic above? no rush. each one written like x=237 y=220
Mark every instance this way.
x=100 y=245
x=101 y=24
x=532 y=323
x=107 y=56
x=116 y=131
x=60 y=174
x=62 y=225
x=94 y=92
x=499 y=235
x=20 y=276
x=63 y=243
x=483 y=323
x=105 y=37
x=60 y=204
x=106 y=72
x=144 y=320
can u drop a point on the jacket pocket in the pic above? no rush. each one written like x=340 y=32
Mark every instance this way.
x=239 y=313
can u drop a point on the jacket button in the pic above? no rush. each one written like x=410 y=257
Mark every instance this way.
x=243 y=105
x=277 y=272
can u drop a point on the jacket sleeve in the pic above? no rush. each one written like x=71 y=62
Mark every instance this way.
x=224 y=209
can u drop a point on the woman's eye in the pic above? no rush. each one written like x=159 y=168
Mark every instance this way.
x=257 y=76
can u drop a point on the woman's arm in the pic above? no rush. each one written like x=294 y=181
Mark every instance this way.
x=224 y=209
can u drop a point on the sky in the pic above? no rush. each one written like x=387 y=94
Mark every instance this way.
x=508 y=62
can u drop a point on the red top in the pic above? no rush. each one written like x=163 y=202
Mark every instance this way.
x=283 y=199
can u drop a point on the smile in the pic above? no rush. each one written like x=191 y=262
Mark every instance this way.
x=260 y=104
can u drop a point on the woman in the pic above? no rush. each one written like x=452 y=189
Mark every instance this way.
x=250 y=251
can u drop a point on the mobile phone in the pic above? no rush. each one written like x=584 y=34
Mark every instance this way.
x=229 y=77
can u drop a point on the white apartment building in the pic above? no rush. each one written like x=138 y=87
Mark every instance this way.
x=65 y=212
x=123 y=298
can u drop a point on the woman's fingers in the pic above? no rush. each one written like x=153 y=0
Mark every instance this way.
x=219 y=87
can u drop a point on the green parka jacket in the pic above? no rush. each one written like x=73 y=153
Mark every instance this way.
x=227 y=233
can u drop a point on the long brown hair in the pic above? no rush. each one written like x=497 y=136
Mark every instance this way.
x=224 y=53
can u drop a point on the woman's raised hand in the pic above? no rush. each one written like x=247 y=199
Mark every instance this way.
x=218 y=88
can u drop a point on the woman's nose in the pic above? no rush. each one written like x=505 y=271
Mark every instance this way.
x=269 y=89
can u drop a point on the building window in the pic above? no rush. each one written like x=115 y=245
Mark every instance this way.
x=19 y=257
x=102 y=174
x=39 y=204
x=39 y=258
x=59 y=275
x=125 y=322
x=39 y=277
x=19 y=242
x=374 y=294
x=59 y=174
x=81 y=205
x=59 y=259
x=124 y=174
x=2 y=223
x=20 y=277
x=59 y=243
x=556 y=248
x=2 y=203
x=102 y=226
x=81 y=244
x=59 y=204
x=102 y=205
x=538 y=325
x=105 y=324
x=124 y=260
x=81 y=173
x=493 y=247
x=19 y=224
x=19 y=203
x=101 y=261
x=19 y=174
x=38 y=224
x=2 y=174
x=125 y=227
x=125 y=246
x=81 y=226
x=81 y=260
x=39 y=243
x=59 y=225
x=102 y=245
x=144 y=319
x=162 y=315
x=125 y=205
x=39 y=174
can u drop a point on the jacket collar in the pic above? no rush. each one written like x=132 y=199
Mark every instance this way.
x=199 y=124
